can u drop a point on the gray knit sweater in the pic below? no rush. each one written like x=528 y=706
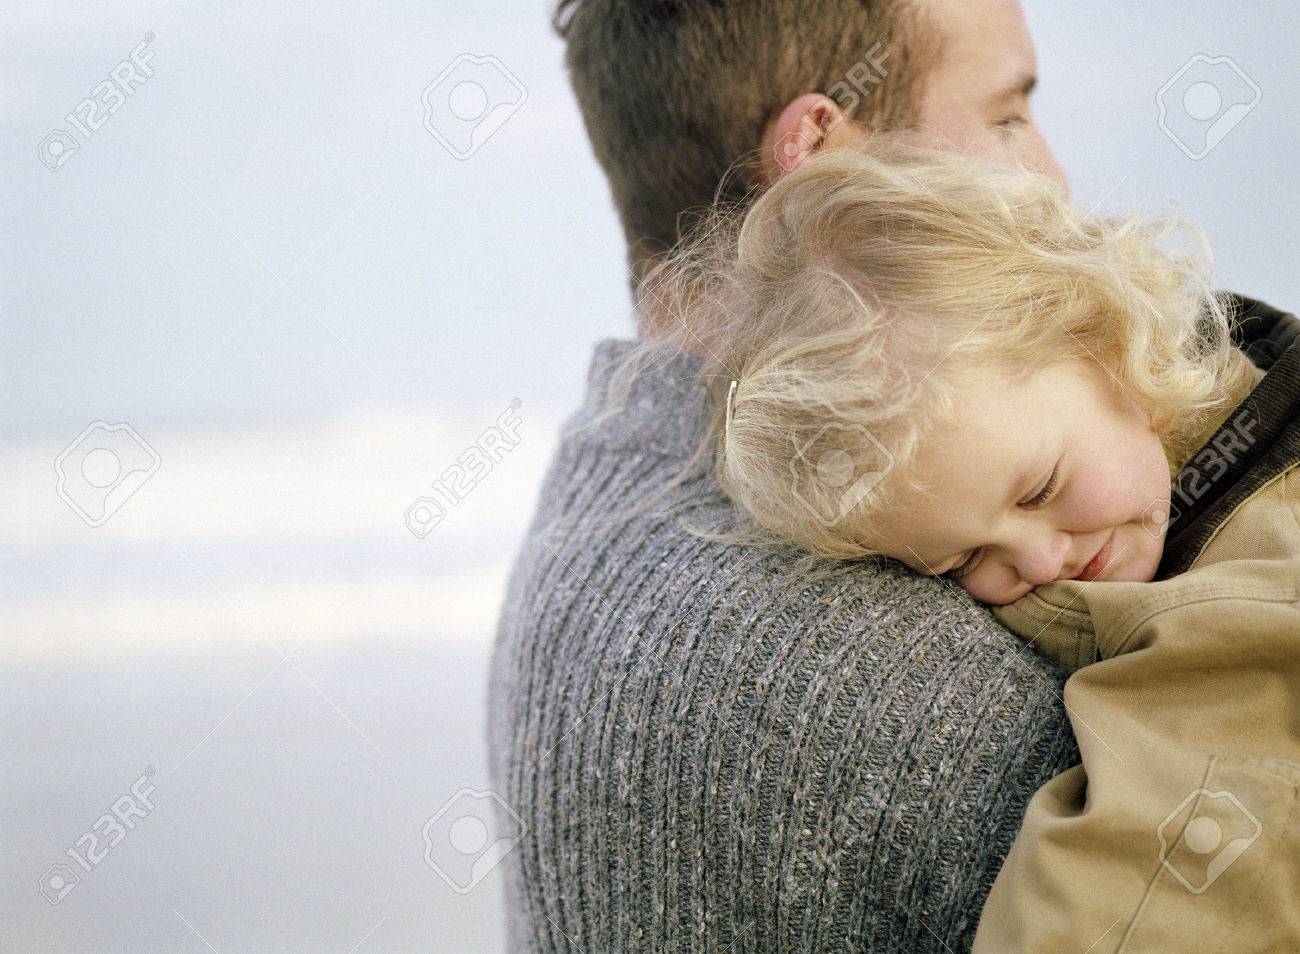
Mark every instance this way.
x=710 y=753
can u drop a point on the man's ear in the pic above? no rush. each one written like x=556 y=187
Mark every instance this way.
x=799 y=130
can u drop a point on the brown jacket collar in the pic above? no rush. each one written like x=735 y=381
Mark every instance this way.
x=1258 y=441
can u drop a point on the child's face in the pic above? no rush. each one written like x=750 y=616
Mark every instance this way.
x=1051 y=478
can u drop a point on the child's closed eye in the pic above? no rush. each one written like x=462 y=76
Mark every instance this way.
x=967 y=565
x=1045 y=492
x=1040 y=498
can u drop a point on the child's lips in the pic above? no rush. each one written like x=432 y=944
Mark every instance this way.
x=1094 y=567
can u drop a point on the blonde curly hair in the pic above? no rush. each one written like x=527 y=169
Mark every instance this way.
x=848 y=299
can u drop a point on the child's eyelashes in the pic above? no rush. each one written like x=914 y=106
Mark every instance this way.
x=1045 y=492
x=967 y=565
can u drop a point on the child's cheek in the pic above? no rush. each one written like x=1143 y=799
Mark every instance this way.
x=1114 y=491
x=1091 y=505
x=994 y=584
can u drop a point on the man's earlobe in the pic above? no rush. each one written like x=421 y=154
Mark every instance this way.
x=799 y=130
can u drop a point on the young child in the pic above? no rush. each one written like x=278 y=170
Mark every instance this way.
x=917 y=356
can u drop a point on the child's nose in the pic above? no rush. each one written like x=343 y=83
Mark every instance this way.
x=1043 y=558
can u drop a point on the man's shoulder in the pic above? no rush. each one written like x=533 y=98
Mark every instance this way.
x=774 y=597
x=629 y=544
x=614 y=542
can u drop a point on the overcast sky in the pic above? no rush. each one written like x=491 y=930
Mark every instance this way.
x=308 y=306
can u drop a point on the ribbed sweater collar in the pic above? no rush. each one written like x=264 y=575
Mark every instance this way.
x=662 y=410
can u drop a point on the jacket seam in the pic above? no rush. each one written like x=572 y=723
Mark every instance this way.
x=1280 y=476
x=1209 y=594
x=1215 y=759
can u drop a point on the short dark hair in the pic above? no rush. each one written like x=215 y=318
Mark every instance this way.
x=675 y=94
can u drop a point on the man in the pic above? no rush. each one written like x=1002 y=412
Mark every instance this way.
x=708 y=750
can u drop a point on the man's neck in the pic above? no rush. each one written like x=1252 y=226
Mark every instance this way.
x=658 y=320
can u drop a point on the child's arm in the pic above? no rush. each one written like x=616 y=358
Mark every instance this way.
x=1180 y=830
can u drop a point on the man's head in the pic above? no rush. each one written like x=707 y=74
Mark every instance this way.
x=688 y=101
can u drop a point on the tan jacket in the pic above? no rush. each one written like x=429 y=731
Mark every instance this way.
x=1180 y=829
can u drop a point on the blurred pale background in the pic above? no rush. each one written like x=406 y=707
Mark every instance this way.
x=309 y=307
